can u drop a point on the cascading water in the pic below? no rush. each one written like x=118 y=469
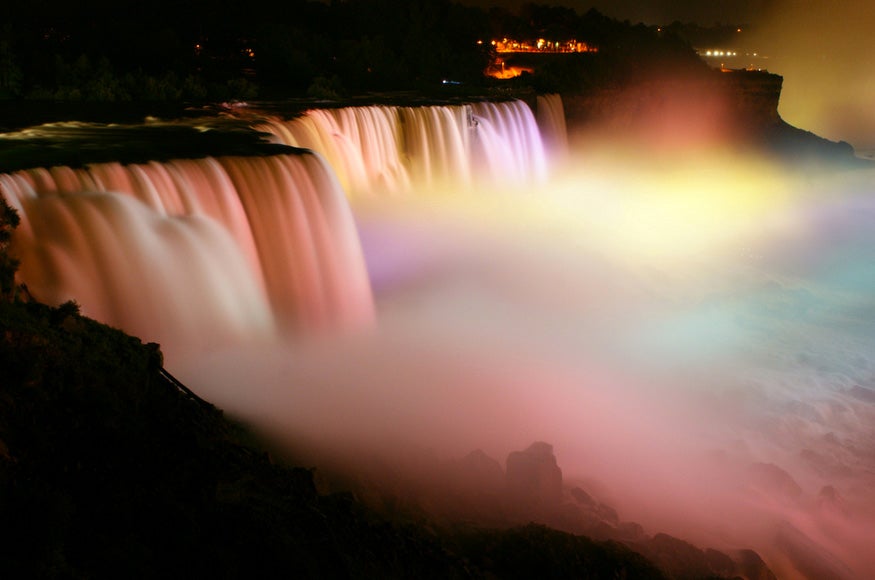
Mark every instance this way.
x=386 y=149
x=696 y=339
x=550 y=113
x=194 y=253
x=291 y=253
x=360 y=144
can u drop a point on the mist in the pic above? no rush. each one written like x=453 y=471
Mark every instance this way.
x=822 y=49
x=670 y=329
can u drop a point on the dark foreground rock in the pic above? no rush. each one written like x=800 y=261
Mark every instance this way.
x=109 y=470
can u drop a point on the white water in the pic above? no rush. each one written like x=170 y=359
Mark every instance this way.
x=389 y=149
x=667 y=322
x=194 y=254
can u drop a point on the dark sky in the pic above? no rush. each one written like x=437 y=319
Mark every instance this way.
x=657 y=11
x=822 y=48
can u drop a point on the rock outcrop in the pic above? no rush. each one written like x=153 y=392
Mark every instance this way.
x=534 y=480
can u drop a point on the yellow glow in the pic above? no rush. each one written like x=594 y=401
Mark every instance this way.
x=697 y=210
x=694 y=209
x=542 y=45
x=507 y=72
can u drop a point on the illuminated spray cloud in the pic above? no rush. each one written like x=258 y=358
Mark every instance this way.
x=692 y=335
x=690 y=332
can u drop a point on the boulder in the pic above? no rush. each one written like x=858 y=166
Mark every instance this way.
x=533 y=478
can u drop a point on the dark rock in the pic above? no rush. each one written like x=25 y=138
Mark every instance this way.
x=680 y=559
x=115 y=472
x=533 y=477
x=480 y=471
x=607 y=514
x=630 y=531
x=677 y=558
x=583 y=498
x=719 y=563
x=535 y=551
x=752 y=567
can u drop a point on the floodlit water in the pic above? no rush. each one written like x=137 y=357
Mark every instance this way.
x=674 y=324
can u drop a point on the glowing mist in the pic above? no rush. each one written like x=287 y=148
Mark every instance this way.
x=692 y=334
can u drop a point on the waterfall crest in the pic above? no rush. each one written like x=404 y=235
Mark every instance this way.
x=389 y=149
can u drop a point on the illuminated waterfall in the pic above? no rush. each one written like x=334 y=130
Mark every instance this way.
x=389 y=149
x=550 y=113
x=191 y=253
x=360 y=144
x=694 y=334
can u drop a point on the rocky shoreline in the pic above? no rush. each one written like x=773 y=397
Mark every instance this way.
x=107 y=469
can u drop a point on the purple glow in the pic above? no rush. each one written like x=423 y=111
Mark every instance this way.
x=691 y=333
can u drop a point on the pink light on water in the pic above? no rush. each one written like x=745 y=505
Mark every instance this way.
x=690 y=331
x=194 y=253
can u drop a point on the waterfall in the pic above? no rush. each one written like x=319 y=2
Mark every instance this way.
x=551 y=121
x=200 y=252
x=360 y=144
x=388 y=149
x=194 y=252
x=509 y=143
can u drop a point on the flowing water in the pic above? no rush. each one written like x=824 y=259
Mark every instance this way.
x=693 y=330
x=194 y=253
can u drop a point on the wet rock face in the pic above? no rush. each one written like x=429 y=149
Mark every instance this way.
x=533 y=477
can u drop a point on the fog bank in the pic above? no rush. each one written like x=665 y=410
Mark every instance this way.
x=670 y=331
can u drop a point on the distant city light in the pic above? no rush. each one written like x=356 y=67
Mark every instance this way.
x=542 y=45
x=712 y=54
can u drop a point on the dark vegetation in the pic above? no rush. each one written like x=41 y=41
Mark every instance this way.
x=165 y=51
x=110 y=470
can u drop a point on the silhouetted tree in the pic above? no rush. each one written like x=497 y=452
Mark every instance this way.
x=8 y=265
x=10 y=73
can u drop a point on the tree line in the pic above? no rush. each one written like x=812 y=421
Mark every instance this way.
x=102 y=50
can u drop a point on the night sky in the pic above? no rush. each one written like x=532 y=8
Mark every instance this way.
x=657 y=11
x=822 y=48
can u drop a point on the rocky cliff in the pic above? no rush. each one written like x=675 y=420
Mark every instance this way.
x=735 y=106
